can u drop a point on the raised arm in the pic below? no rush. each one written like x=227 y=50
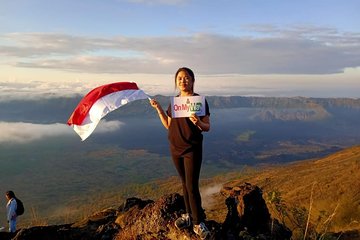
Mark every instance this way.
x=165 y=119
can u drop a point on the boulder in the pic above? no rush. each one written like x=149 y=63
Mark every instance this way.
x=247 y=218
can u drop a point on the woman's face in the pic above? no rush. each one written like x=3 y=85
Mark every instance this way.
x=184 y=82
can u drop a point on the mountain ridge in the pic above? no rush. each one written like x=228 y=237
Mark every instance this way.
x=54 y=110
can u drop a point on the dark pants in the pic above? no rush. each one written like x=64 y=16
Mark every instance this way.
x=188 y=166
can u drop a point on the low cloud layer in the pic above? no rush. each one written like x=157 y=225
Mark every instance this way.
x=20 y=132
x=267 y=50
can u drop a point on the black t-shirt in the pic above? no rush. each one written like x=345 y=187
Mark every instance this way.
x=183 y=135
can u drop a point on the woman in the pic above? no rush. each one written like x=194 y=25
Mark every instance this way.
x=11 y=210
x=185 y=137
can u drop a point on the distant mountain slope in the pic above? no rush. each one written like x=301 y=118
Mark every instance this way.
x=291 y=108
x=270 y=108
x=332 y=181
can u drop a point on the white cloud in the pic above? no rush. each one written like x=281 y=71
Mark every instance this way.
x=108 y=126
x=14 y=89
x=325 y=85
x=49 y=44
x=268 y=61
x=20 y=132
x=268 y=50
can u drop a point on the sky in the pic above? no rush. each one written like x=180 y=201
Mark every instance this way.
x=308 y=48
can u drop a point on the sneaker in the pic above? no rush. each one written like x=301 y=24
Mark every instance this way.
x=183 y=222
x=201 y=230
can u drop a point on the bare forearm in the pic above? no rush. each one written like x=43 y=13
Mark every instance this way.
x=163 y=117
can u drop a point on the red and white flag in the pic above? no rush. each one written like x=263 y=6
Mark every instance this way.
x=99 y=102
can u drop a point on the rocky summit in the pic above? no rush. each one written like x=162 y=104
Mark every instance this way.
x=247 y=218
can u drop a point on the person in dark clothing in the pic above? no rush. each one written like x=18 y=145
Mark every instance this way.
x=185 y=138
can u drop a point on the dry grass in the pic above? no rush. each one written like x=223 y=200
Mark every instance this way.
x=335 y=197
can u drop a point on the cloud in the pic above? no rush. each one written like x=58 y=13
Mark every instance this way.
x=46 y=89
x=11 y=90
x=35 y=44
x=209 y=193
x=20 y=132
x=108 y=126
x=266 y=50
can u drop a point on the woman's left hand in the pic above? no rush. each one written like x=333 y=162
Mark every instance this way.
x=194 y=119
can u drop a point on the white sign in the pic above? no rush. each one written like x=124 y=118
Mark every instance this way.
x=185 y=106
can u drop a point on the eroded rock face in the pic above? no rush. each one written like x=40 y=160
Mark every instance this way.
x=247 y=209
x=247 y=218
x=155 y=220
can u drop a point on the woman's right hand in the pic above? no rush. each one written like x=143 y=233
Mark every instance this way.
x=165 y=120
x=154 y=103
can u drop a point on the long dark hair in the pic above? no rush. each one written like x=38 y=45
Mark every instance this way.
x=189 y=71
x=10 y=194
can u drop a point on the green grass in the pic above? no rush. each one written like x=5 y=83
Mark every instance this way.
x=245 y=136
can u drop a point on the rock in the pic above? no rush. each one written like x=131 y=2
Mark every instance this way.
x=248 y=215
x=247 y=208
x=153 y=221
x=57 y=232
x=6 y=235
x=247 y=218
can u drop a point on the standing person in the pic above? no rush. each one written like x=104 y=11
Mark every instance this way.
x=11 y=210
x=185 y=137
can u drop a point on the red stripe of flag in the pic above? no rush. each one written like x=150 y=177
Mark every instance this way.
x=84 y=106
